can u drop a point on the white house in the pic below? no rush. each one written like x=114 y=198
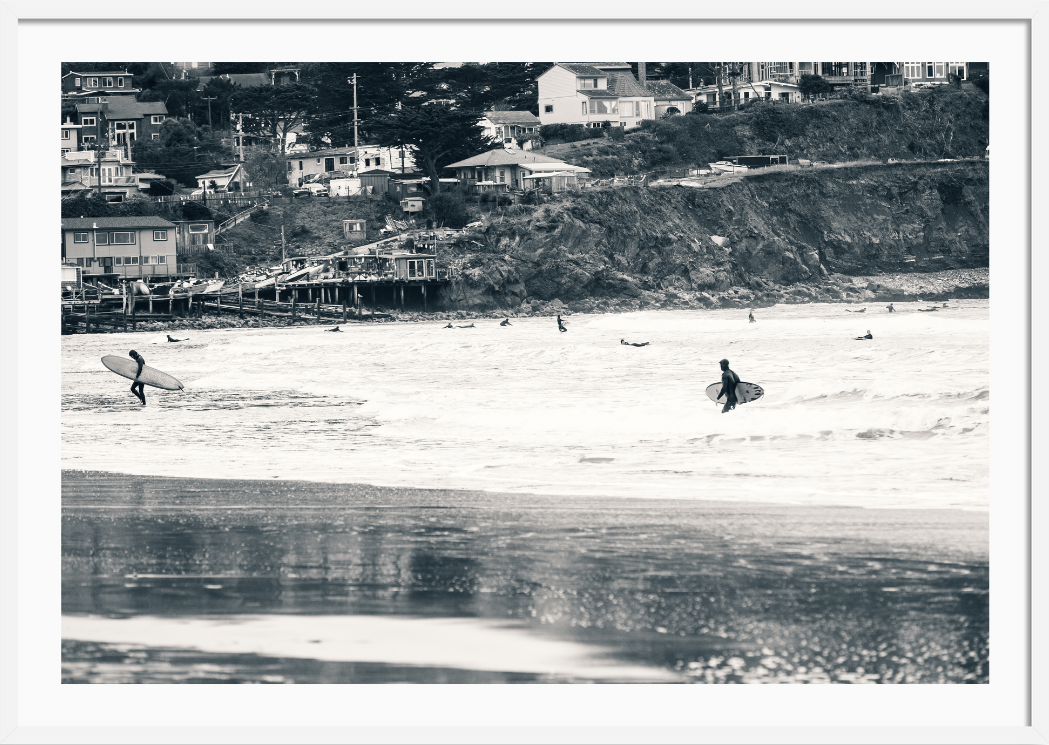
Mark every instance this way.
x=605 y=94
x=508 y=127
x=766 y=90
x=228 y=178
x=503 y=170
x=340 y=162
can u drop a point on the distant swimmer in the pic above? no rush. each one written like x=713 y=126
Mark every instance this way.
x=139 y=385
x=505 y=322
x=626 y=343
x=868 y=336
x=861 y=310
x=466 y=327
x=170 y=339
x=729 y=380
x=336 y=329
x=449 y=326
x=945 y=305
x=752 y=318
x=560 y=324
x=890 y=308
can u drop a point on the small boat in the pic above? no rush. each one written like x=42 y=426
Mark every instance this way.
x=724 y=166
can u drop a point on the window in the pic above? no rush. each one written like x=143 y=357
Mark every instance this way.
x=120 y=82
x=589 y=83
x=157 y=119
x=101 y=239
x=584 y=107
x=957 y=68
x=92 y=82
x=76 y=82
x=87 y=121
x=79 y=237
x=342 y=160
x=805 y=68
x=112 y=198
x=109 y=82
x=64 y=151
x=160 y=235
x=118 y=238
x=130 y=260
x=502 y=175
x=65 y=134
x=548 y=108
x=154 y=136
x=928 y=69
x=162 y=259
x=300 y=165
x=80 y=262
x=119 y=260
x=198 y=228
x=912 y=70
x=88 y=139
x=604 y=106
x=939 y=69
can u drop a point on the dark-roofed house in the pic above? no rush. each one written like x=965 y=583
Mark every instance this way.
x=503 y=170
x=510 y=126
x=141 y=246
x=111 y=82
x=123 y=118
x=604 y=94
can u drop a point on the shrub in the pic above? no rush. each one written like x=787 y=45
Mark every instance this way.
x=771 y=123
x=448 y=209
x=616 y=134
x=195 y=211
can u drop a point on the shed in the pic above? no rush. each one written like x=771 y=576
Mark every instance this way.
x=553 y=182
x=412 y=204
x=378 y=180
x=344 y=187
x=355 y=230
x=412 y=265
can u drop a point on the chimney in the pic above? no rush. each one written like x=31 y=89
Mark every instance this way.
x=642 y=74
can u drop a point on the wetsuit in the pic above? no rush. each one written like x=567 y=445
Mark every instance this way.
x=140 y=386
x=729 y=380
x=560 y=325
x=868 y=336
x=752 y=319
x=505 y=322
x=891 y=309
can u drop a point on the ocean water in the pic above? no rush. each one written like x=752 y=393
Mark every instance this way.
x=898 y=421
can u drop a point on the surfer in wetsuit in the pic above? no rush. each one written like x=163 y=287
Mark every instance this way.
x=505 y=322
x=560 y=324
x=170 y=339
x=626 y=343
x=336 y=329
x=729 y=380
x=890 y=308
x=752 y=318
x=141 y=392
x=868 y=336
x=449 y=326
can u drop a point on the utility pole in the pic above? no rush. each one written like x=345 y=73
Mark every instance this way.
x=356 y=154
x=209 y=100
x=98 y=148
x=240 y=136
x=283 y=246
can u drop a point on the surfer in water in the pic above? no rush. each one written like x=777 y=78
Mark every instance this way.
x=752 y=318
x=626 y=343
x=890 y=308
x=336 y=329
x=466 y=327
x=861 y=310
x=170 y=339
x=560 y=324
x=868 y=336
x=449 y=326
x=729 y=380
x=505 y=322
x=141 y=392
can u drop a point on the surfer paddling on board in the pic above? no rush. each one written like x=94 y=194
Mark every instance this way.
x=560 y=324
x=626 y=343
x=728 y=386
x=336 y=330
x=505 y=322
x=141 y=392
x=868 y=336
x=752 y=318
x=171 y=339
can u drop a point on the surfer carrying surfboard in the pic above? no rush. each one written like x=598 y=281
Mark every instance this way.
x=728 y=387
x=141 y=392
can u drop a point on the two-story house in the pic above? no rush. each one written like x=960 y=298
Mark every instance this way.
x=605 y=94
x=84 y=169
x=344 y=161
x=70 y=136
x=510 y=127
x=123 y=247
x=122 y=119
x=112 y=82
x=920 y=74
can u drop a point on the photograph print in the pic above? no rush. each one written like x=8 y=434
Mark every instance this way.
x=525 y=372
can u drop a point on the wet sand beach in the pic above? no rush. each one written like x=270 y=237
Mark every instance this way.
x=237 y=580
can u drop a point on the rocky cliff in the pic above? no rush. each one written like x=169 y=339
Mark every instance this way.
x=736 y=241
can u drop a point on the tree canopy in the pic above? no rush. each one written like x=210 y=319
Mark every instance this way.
x=275 y=109
x=183 y=151
x=811 y=86
x=437 y=135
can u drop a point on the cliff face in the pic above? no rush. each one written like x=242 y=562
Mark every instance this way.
x=757 y=234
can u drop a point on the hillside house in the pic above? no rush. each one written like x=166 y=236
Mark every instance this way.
x=605 y=94
x=226 y=179
x=355 y=231
x=503 y=170
x=123 y=119
x=511 y=128
x=70 y=136
x=347 y=161
x=768 y=90
x=120 y=247
x=193 y=237
x=111 y=82
x=923 y=74
x=80 y=171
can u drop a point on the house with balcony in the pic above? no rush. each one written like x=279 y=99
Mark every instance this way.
x=925 y=74
x=107 y=83
x=120 y=247
x=767 y=90
x=505 y=170
x=605 y=94
x=109 y=169
x=340 y=162
x=512 y=128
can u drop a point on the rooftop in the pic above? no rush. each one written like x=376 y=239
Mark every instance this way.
x=141 y=221
x=665 y=89
x=511 y=117
x=244 y=79
x=502 y=157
